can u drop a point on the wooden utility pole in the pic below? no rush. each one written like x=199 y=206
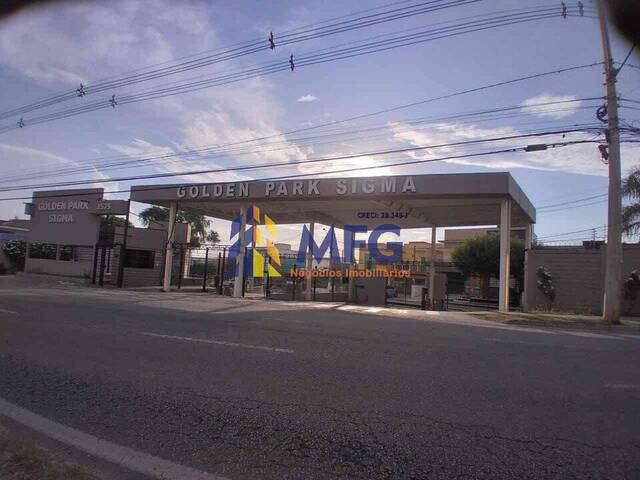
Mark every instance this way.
x=613 y=267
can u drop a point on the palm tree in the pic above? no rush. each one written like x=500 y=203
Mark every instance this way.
x=631 y=212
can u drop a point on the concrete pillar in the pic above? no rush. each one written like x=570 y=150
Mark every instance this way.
x=432 y=267
x=239 y=280
x=528 y=236
x=330 y=284
x=505 y=249
x=168 y=257
x=309 y=266
x=351 y=294
x=528 y=240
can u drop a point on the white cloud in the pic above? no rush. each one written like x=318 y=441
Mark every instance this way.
x=307 y=98
x=28 y=157
x=580 y=158
x=33 y=160
x=134 y=34
x=139 y=148
x=445 y=133
x=68 y=50
x=556 y=110
x=374 y=166
x=235 y=116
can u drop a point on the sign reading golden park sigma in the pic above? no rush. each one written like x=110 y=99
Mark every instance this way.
x=70 y=217
x=414 y=201
x=299 y=188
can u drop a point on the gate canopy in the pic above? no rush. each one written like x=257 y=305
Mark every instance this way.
x=409 y=201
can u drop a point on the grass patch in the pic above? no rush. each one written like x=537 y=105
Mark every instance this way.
x=497 y=317
x=26 y=461
x=532 y=318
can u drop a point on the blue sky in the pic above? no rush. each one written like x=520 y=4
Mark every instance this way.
x=49 y=50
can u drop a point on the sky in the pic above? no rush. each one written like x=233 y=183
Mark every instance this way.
x=46 y=51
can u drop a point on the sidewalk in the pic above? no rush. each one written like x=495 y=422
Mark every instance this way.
x=556 y=320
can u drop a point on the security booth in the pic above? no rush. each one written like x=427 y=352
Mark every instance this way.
x=142 y=255
x=357 y=206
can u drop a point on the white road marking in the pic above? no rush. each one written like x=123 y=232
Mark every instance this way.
x=432 y=316
x=124 y=456
x=11 y=312
x=592 y=335
x=219 y=342
x=503 y=340
x=625 y=335
x=623 y=386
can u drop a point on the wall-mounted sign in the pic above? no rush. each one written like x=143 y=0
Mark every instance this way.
x=110 y=207
x=65 y=217
x=384 y=214
x=299 y=188
x=46 y=206
x=60 y=218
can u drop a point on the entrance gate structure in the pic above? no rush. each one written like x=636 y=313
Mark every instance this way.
x=201 y=266
x=408 y=201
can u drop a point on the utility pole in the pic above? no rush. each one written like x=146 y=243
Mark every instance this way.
x=613 y=265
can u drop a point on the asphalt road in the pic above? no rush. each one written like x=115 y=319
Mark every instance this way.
x=252 y=389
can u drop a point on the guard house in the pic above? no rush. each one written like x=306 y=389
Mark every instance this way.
x=408 y=201
x=66 y=237
x=65 y=228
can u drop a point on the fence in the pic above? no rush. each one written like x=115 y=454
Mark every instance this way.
x=577 y=275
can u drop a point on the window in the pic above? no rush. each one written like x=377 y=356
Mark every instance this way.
x=68 y=253
x=46 y=251
x=139 y=258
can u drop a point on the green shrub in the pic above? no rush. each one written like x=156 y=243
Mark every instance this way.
x=16 y=250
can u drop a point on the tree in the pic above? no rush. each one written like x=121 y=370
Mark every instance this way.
x=632 y=285
x=16 y=251
x=480 y=256
x=199 y=223
x=154 y=214
x=631 y=213
x=213 y=237
x=545 y=284
x=109 y=222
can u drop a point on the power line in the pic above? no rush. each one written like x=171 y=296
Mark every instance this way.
x=345 y=170
x=254 y=40
x=422 y=102
x=400 y=107
x=276 y=67
x=562 y=209
x=289 y=163
x=151 y=161
x=251 y=45
x=571 y=233
x=221 y=152
x=572 y=240
x=247 y=48
x=625 y=59
x=572 y=202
